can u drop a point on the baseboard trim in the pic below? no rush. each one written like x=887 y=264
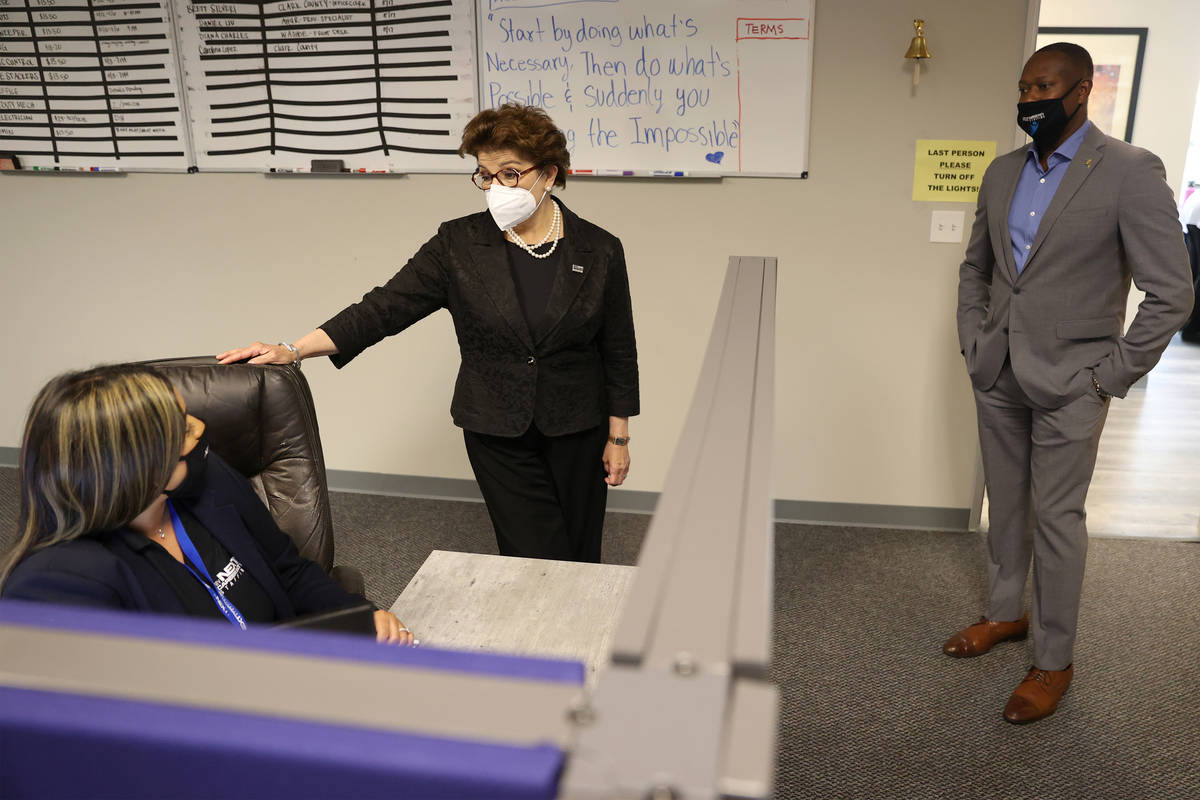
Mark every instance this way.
x=639 y=502
x=865 y=515
x=461 y=489
x=632 y=501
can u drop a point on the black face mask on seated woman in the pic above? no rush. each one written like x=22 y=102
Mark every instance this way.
x=196 y=461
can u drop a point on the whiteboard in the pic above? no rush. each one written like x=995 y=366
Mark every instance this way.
x=383 y=85
x=90 y=86
x=705 y=87
x=718 y=87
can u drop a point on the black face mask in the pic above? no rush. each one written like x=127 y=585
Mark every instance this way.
x=1045 y=120
x=193 y=482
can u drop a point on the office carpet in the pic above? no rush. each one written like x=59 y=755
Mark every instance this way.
x=871 y=709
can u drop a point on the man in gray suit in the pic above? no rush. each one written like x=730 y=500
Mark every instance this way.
x=1061 y=227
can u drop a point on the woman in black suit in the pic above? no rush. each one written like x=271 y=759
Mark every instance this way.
x=540 y=303
x=123 y=505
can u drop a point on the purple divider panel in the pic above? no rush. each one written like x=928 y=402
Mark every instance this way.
x=59 y=745
x=321 y=644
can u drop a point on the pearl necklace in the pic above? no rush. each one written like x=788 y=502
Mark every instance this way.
x=554 y=233
x=161 y=533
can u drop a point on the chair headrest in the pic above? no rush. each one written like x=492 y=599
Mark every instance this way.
x=256 y=415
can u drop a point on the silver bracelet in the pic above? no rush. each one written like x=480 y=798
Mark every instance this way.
x=294 y=351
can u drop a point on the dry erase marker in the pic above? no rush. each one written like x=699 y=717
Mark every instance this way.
x=580 y=172
x=667 y=173
x=622 y=172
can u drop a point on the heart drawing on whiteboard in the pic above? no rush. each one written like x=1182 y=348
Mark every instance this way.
x=715 y=157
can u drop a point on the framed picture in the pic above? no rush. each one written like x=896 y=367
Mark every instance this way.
x=1117 y=55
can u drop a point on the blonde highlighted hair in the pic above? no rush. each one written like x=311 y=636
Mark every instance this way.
x=99 y=446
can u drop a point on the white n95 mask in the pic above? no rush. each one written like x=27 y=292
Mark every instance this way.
x=512 y=205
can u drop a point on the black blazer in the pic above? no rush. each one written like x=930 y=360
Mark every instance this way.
x=107 y=569
x=580 y=371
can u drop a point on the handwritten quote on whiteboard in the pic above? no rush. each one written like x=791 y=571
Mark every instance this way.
x=708 y=87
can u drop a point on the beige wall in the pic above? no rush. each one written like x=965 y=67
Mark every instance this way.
x=1170 y=72
x=873 y=403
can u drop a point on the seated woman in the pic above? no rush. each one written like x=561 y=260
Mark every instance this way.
x=123 y=505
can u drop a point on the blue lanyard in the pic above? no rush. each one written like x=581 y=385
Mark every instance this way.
x=190 y=554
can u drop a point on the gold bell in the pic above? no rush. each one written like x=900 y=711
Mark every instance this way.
x=918 y=48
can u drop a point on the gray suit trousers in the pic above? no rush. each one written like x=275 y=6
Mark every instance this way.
x=1038 y=463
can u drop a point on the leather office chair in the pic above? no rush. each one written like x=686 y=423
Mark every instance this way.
x=261 y=419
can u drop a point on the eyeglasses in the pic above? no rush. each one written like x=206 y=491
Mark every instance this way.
x=506 y=177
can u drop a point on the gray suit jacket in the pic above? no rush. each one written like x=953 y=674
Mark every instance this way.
x=1112 y=218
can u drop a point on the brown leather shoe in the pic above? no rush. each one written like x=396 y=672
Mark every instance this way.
x=1038 y=694
x=977 y=639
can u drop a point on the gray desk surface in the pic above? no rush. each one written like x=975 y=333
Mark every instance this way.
x=559 y=609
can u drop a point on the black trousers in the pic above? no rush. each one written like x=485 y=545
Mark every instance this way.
x=545 y=494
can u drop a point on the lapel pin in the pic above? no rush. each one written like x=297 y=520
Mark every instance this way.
x=576 y=268
x=1087 y=163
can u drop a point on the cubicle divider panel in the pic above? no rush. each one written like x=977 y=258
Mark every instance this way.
x=107 y=703
x=692 y=650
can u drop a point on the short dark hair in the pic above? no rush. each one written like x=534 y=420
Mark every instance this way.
x=1079 y=58
x=526 y=130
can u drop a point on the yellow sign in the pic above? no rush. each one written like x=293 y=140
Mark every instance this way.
x=950 y=170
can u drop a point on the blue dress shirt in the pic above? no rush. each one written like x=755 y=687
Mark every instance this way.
x=1035 y=190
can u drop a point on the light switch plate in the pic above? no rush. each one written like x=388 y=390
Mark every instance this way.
x=947 y=226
